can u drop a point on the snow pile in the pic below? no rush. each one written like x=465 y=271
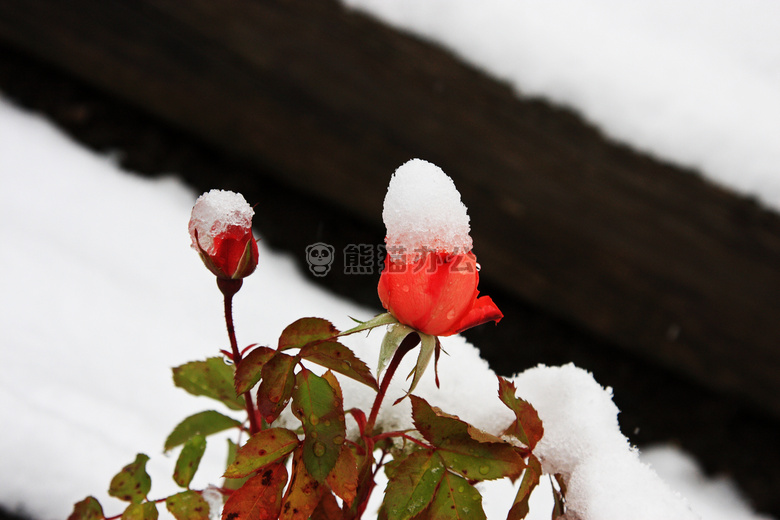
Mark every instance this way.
x=423 y=211
x=694 y=82
x=214 y=213
x=90 y=336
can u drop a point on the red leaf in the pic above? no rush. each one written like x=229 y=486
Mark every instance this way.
x=527 y=426
x=260 y=498
x=306 y=330
x=304 y=493
x=275 y=390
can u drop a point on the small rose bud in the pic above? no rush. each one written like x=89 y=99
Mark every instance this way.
x=221 y=232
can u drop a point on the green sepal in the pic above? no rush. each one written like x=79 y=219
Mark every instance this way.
x=202 y=423
x=319 y=407
x=376 y=321
x=189 y=460
x=145 y=511
x=263 y=448
x=133 y=483
x=456 y=499
x=337 y=357
x=276 y=387
x=428 y=345
x=412 y=484
x=188 y=505
x=527 y=427
x=87 y=509
x=210 y=378
x=390 y=343
x=250 y=368
x=306 y=331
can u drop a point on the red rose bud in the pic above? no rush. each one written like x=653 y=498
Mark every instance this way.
x=436 y=294
x=221 y=232
x=430 y=278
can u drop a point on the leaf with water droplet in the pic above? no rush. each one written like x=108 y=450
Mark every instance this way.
x=303 y=494
x=189 y=459
x=319 y=397
x=411 y=484
x=260 y=498
x=455 y=500
x=339 y=358
x=343 y=480
x=306 y=331
x=250 y=368
x=527 y=427
x=210 y=378
x=263 y=448
x=203 y=423
x=132 y=483
x=276 y=387
x=188 y=505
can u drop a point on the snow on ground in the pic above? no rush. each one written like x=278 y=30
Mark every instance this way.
x=696 y=82
x=102 y=294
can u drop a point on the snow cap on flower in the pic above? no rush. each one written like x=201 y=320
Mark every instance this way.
x=423 y=211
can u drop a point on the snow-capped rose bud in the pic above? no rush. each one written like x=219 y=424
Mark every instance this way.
x=430 y=277
x=221 y=232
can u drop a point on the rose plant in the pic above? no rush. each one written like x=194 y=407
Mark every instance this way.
x=315 y=469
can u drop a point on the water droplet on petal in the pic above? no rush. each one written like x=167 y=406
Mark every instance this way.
x=405 y=288
x=319 y=449
x=451 y=314
x=479 y=267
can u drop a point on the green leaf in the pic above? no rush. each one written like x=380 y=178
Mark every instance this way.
x=339 y=358
x=87 y=509
x=527 y=427
x=232 y=483
x=533 y=472
x=376 y=321
x=303 y=494
x=260 y=498
x=305 y=331
x=133 y=483
x=427 y=347
x=276 y=388
x=189 y=460
x=263 y=448
x=413 y=485
x=211 y=378
x=203 y=423
x=249 y=369
x=456 y=499
x=319 y=407
x=188 y=505
x=476 y=459
x=145 y=511
x=390 y=343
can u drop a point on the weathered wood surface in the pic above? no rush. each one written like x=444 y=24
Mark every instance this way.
x=641 y=253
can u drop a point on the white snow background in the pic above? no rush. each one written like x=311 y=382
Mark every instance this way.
x=101 y=293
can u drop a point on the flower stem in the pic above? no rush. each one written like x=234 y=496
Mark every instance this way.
x=408 y=343
x=230 y=288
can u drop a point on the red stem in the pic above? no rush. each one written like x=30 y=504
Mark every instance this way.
x=229 y=288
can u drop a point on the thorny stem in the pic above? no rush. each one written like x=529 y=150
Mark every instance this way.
x=230 y=288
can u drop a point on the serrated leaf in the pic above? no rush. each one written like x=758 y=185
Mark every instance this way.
x=303 y=494
x=203 y=423
x=133 y=483
x=189 y=460
x=533 y=472
x=211 y=378
x=320 y=409
x=276 y=388
x=305 y=331
x=413 y=485
x=145 y=511
x=188 y=505
x=250 y=368
x=263 y=448
x=527 y=427
x=456 y=499
x=462 y=453
x=260 y=498
x=390 y=343
x=343 y=480
x=87 y=509
x=339 y=358
x=232 y=483
x=376 y=321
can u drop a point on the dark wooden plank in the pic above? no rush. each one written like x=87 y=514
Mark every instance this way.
x=647 y=256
